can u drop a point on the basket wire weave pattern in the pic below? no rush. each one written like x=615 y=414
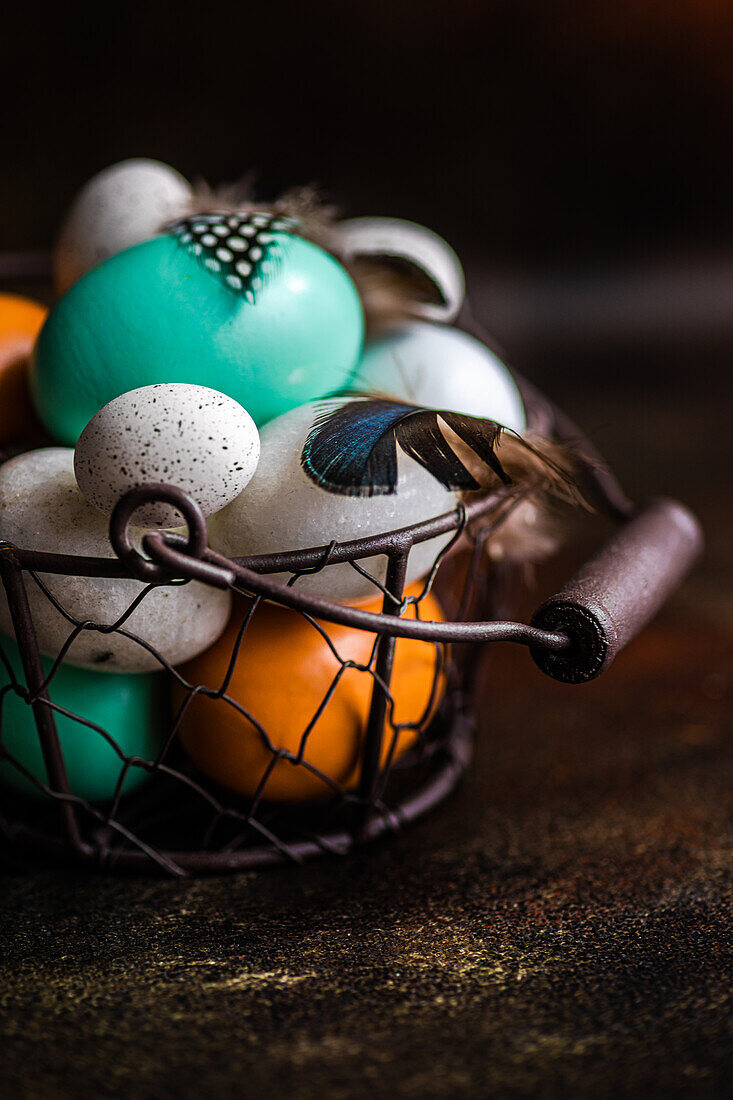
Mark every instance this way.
x=180 y=821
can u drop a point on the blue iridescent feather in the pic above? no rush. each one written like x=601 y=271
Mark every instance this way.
x=352 y=449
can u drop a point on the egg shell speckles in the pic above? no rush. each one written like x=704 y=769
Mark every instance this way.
x=154 y=313
x=441 y=368
x=282 y=509
x=123 y=205
x=192 y=437
x=42 y=508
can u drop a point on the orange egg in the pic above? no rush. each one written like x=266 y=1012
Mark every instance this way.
x=20 y=322
x=283 y=672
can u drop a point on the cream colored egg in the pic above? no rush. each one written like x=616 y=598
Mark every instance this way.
x=42 y=508
x=441 y=368
x=283 y=509
x=123 y=205
x=192 y=437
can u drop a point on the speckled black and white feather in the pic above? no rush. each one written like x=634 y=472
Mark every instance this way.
x=239 y=249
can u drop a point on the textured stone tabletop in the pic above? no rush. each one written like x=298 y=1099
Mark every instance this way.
x=561 y=927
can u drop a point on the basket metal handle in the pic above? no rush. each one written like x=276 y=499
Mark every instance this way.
x=616 y=593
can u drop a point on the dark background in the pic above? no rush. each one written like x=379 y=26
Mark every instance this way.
x=551 y=131
x=562 y=927
x=576 y=154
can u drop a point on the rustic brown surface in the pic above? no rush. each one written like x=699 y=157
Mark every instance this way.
x=562 y=927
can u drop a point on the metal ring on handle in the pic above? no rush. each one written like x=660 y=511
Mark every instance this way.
x=119 y=529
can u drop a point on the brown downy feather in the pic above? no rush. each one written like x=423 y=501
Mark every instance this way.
x=315 y=217
x=228 y=198
x=545 y=473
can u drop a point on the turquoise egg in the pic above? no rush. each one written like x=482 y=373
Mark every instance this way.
x=234 y=302
x=131 y=708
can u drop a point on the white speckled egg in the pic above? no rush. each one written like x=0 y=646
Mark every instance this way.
x=41 y=508
x=121 y=206
x=282 y=509
x=189 y=436
x=441 y=368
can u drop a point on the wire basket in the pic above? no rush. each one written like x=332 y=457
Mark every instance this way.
x=181 y=822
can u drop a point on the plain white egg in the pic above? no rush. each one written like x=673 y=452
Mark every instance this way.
x=283 y=509
x=192 y=437
x=42 y=508
x=441 y=368
x=123 y=205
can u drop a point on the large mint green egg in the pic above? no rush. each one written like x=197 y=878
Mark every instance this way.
x=131 y=708
x=154 y=313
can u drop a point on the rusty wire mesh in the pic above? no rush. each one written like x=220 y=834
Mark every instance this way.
x=181 y=821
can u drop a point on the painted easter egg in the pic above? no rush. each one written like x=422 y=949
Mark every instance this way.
x=123 y=205
x=131 y=709
x=42 y=508
x=20 y=323
x=283 y=671
x=194 y=438
x=235 y=302
x=282 y=508
x=443 y=368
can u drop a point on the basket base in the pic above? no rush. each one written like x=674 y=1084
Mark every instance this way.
x=445 y=772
